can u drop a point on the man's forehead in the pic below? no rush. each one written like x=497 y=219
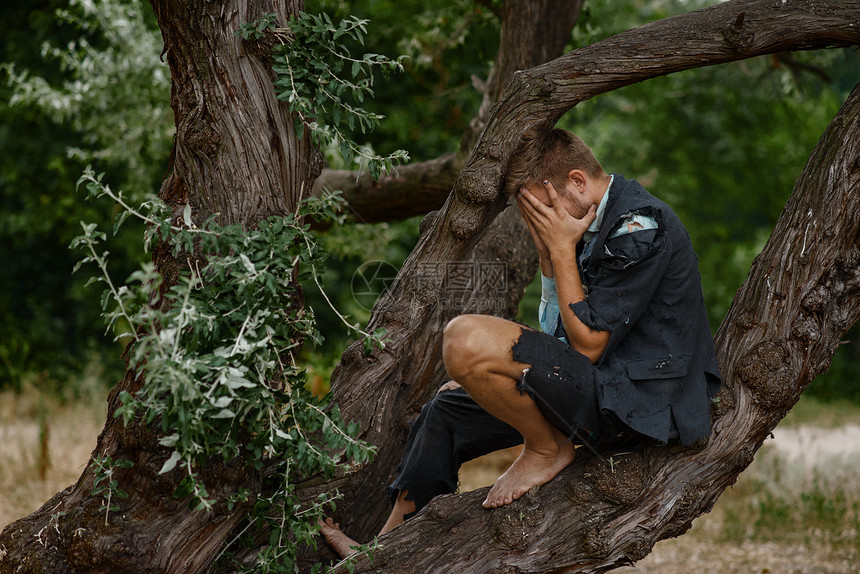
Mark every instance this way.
x=539 y=192
x=535 y=189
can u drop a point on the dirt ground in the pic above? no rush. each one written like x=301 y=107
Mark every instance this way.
x=684 y=556
x=803 y=449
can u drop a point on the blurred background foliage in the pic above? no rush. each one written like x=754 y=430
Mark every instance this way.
x=82 y=82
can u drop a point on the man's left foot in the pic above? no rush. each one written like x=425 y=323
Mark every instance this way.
x=340 y=542
x=531 y=468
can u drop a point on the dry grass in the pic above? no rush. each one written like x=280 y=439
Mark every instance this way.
x=788 y=513
x=35 y=465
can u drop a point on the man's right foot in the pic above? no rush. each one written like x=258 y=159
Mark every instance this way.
x=530 y=469
x=340 y=542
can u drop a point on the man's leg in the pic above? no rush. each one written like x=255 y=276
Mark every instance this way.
x=344 y=545
x=477 y=354
x=451 y=429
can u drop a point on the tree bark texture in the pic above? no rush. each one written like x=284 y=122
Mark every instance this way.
x=802 y=295
x=235 y=156
x=383 y=392
x=412 y=189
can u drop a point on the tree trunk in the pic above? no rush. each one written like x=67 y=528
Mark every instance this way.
x=489 y=279
x=235 y=155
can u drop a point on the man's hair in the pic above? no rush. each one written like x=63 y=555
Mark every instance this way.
x=549 y=154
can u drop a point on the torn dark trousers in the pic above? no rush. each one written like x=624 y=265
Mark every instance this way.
x=453 y=429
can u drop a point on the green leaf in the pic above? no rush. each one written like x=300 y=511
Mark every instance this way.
x=249 y=267
x=169 y=440
x=170 y=463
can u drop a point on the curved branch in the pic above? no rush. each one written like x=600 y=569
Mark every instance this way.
x=786 y=321
x=413 y=189
x=370 y=389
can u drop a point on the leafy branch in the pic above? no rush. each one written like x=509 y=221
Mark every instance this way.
x=104 y=482
x=216 y=354
x=325 y=86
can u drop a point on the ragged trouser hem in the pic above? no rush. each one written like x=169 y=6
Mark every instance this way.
x=452 y=429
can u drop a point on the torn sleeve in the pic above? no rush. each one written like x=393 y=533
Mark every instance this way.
x=624 y=279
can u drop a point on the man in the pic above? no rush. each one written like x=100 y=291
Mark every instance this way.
x=626 y=348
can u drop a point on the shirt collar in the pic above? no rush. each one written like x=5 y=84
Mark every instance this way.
x=601 y=209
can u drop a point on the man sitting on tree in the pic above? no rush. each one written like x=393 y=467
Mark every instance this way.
x=629 y=352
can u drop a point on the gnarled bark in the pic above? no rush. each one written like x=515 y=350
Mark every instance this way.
x=220 y=168
x=412 y=189
x=497 y=270
x=235 y=155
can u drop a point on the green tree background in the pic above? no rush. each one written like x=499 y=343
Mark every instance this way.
x=82 y=83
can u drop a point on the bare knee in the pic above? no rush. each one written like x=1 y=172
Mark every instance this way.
x=461 y=346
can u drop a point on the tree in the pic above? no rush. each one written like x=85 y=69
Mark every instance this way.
x=779 y=334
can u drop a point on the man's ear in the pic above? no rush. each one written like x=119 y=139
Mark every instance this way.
x=576 y=177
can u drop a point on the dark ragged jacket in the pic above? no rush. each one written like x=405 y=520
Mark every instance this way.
x=659 y=370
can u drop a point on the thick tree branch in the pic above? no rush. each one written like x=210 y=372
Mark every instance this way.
x=785 y=323
x=413 y=189
x=383 y=391
x=500 y=266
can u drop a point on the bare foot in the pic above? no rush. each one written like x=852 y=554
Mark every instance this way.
x=340 y=542
x=531 y=468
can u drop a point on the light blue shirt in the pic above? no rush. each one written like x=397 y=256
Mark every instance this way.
x=548 y=311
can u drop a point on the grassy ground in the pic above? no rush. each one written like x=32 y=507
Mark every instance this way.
x=44 y=446
x=795 y=510
x=791 y=511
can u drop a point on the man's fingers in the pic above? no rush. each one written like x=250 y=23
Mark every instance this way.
x=526 y=196
x=534 y=205
x=553 y=196
x=526 y=210
x=528 y=215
